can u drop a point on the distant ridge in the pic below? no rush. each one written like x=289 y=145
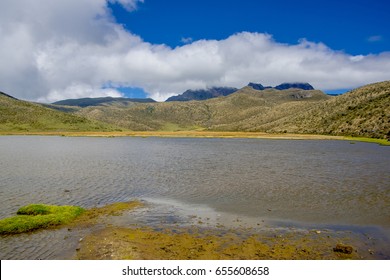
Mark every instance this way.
x=213 y=92
x=86 y=102
x=9 y=96
x=257 y=86
x=283 y=86
x=202 y=94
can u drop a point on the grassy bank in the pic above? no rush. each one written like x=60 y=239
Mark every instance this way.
x=383 y=142
x=201 y=134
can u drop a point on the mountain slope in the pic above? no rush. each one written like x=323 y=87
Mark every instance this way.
x=361 y=112
x=17 y=115
x=2 y=94
x=222 y=113
x=213 y=92
x=248 y=109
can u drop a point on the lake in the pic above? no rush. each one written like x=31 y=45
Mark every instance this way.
x=277 y=183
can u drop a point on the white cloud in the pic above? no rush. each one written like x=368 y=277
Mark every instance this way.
x=67 y=49
x=75 y=90
x=129 y=5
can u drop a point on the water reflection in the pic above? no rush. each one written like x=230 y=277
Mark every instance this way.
x=312 y=182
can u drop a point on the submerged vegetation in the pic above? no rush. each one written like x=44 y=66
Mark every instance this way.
x=37 y=216
x=213 y=244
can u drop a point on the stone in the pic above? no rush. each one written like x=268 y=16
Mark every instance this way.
x=341 y=248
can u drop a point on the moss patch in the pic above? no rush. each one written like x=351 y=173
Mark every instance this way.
x=37 y=216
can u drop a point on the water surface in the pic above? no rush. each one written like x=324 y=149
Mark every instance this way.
x=280 y=182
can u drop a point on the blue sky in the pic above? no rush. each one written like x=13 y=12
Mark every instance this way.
x=356 y=27
x=152 y=48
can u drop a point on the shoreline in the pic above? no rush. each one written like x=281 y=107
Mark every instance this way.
x=107 y=240
x=194 y=243
x=97 y=235
x=198 y=134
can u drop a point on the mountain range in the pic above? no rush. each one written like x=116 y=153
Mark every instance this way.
x=202 y=94
x=287 y=108
x=213 y=92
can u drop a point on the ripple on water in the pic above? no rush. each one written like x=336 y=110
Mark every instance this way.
x=329 y=182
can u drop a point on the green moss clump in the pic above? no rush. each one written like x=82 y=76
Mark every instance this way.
x=34 y=209
x=37 y=216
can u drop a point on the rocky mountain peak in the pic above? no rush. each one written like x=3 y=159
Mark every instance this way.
x=283 y=86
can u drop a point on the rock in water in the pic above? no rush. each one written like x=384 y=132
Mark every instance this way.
x=341 y=248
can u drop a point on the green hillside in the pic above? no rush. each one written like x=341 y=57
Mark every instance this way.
x=23 y=116
x=241 y=111
x=362 y=112
x=249 y=109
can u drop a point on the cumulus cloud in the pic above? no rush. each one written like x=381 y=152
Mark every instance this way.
x=68 y=49
x=79 y=90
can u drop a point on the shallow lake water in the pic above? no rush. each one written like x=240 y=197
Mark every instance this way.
x=268 y=183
